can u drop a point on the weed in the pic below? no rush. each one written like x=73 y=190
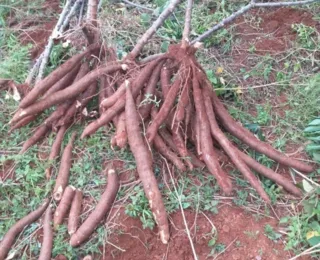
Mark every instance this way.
x=218 y=248
x=241 y=198
x=303 y=228
x=271 y=234
x=307 y=36
x=139 y=208
x=14 y=58
x=312 y=132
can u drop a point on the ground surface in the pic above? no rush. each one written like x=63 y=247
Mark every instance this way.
x=258 y=51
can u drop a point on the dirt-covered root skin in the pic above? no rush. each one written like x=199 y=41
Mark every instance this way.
x=206 y=143
x=56 y=75
x=230 y=150
x=46 y=247
x=248 y=138
x=55 y=149
x=72 y=91
x=110 y=101
x=270 y=174
x=40 y=133
x=64 y=82
x=22 y=122
x=144 y=167
x=145 y=109
x=102 y=208
x=121 y=137
x=63 y=206
x=64 y=170
x=162 y=148
x=164 y=110
x=10 y=236
x=165 y=78
x=75 y=212
x=118 y=107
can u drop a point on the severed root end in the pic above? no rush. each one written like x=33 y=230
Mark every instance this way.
x=164 y=237
x=58 y=194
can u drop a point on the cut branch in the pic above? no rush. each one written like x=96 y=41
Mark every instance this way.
x=187 y=25
x=244 y=10
x=151 y=31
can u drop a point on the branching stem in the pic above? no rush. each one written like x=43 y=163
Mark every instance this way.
x=244 y=10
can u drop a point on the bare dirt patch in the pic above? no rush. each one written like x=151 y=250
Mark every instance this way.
x=242 y=232
x=38 y=32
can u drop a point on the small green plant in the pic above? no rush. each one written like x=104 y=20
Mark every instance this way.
x=241 y=198
x=312 y=132
x=307 y=35
x=139 y=208
x=271 y=234
x=263 y=115
x=217 y=248
x=14 y=58
x=304 y=228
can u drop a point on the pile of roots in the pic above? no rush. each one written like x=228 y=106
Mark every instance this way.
x=164 y=104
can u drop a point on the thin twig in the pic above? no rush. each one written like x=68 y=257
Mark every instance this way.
x=81 y=11
x=47 y=50
x=306 y=178
x=70 y=14
x=34 y=70
x=244 y=10
x=306 y=252
x=182 y=212
x=137 y=5
x=157 y=23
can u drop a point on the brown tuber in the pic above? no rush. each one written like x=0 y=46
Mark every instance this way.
x=100 y=211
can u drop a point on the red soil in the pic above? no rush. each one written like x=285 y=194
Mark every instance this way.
x=242 y=232
x=38 y=35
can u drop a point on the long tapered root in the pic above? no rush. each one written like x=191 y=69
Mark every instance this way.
x=100 y=211
x=14 y=231
x=46 y=247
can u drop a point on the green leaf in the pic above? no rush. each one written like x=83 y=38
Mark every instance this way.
x=284 y=220
x=212 y=242
x=145 y=18
x=164 y=46
x=313 y=147
x=316 y=156
x=314 y=240
x=307 y=186
x=315 y=122
x=312 y=129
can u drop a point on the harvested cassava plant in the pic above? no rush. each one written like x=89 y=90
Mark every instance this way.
x=170 y=96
